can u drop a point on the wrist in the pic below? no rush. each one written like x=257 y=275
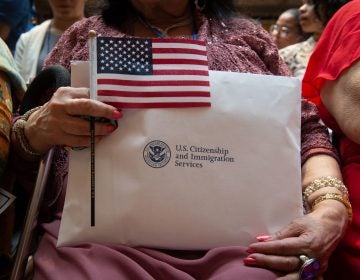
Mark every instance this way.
x=320 y=191
x=31 y=132
x=335 y=197
x=332 y=210
x=21 y=137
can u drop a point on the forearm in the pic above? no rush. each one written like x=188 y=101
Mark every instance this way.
x=321 y=166
x=314 y=135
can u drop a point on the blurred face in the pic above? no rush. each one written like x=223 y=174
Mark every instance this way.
x=67 y=9
x=308 y=19
x=160 y=8
x=286 y=31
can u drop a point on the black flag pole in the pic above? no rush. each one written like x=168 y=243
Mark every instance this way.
x=92 y=88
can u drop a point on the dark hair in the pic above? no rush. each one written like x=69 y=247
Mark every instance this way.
x=325 y=9
x=116 y=12
x=296 y=14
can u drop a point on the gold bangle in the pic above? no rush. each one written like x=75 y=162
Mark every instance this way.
x=343 y=199
x=325 y=182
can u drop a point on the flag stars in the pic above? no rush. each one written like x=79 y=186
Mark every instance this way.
x=128 y=56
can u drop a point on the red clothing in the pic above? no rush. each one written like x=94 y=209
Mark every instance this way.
x=337 y=49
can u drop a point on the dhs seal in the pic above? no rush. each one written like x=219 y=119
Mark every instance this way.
x=157 y=154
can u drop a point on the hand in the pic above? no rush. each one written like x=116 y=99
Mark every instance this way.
x=314 y=235
x=59 y=121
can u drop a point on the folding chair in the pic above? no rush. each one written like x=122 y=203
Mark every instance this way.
x=22 y=253
x=40 y=91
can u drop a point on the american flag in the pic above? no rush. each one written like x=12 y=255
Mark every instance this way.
x=152 y=73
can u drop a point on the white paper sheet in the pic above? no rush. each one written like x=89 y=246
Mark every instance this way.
x=191 y=202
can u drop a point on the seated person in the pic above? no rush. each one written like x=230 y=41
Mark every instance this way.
x=287 y=29
x=244 y=47
x=314 y=15
x=12 y=88
x=15 y=16
x=34 y=45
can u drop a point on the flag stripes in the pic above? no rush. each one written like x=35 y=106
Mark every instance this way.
x=152 y=73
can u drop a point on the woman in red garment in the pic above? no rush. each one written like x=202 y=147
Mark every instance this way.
x=332 y=81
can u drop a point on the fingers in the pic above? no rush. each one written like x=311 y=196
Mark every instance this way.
x=299 y=237
x=288 y=265
x=295 y=228
x=274 y=262
x=286 y=247
x=61 y=120
x=80 y=126
x=75 y=101
x=313 y=235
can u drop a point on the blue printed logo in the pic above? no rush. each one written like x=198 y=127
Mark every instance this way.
x=157 y=154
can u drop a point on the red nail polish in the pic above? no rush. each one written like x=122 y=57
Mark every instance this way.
x=117 y=115
x=263 y=238
x=249 y=261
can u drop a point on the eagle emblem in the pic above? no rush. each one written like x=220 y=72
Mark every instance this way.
x=157 y=154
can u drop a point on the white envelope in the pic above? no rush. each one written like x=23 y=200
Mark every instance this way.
x=193 y=178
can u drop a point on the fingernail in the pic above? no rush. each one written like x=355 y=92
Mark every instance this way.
x=110 y=128
x=250 y=251
x=263 y=238
x=117 y=115
x=249 y=261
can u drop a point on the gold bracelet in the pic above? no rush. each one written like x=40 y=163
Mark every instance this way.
x=18 y=129
x=325 y=182
x=343 y=199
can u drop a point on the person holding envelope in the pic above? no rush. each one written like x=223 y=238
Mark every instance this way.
x=234 y=44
